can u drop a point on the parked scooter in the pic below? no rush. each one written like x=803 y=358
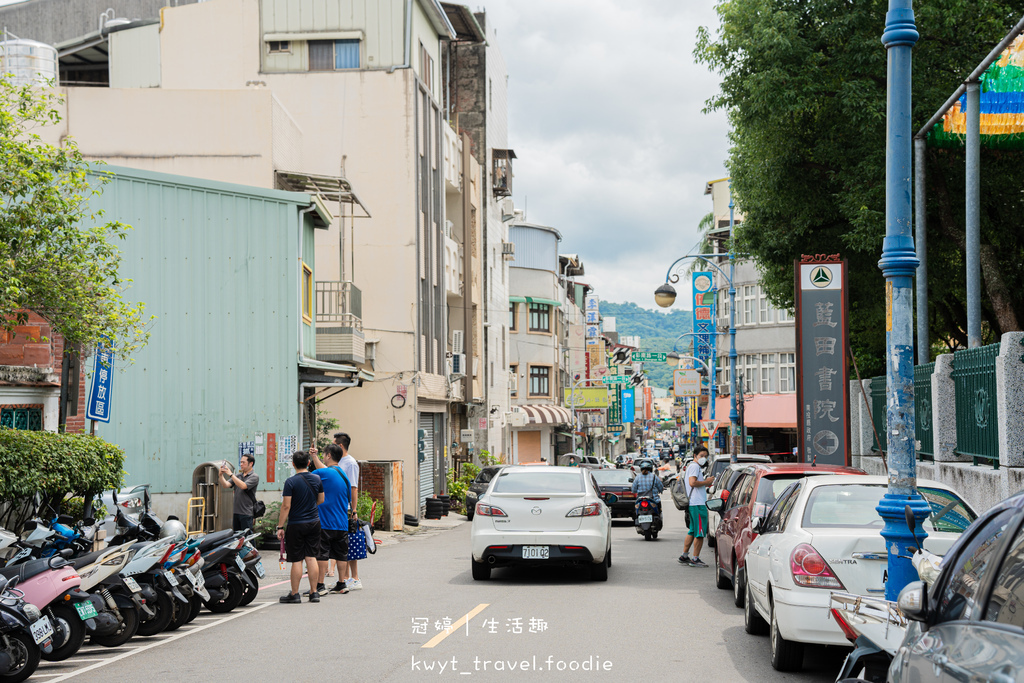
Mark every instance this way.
x=24 y=634
x=118 y=618
x=224 y=570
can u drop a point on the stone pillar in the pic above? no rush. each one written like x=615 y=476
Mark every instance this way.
x=856 y=404
x=944 y=411
x=864 y=426
x=1010 y=399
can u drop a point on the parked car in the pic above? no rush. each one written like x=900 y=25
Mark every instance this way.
x=479 y=485
x=822 y=534
x=619 y=483
x=541 y=516
x=722 y=487
x=721 y=461
x=969 y=624
x=716 y=468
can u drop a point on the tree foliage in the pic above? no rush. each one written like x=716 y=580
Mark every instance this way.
x=56 y=259
x=804 y=83
x=57 y=464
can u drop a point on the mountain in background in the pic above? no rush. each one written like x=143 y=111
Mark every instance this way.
x=657 y=332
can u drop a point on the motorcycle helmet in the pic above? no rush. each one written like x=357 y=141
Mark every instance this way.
x=646 y=465
x=174 y=529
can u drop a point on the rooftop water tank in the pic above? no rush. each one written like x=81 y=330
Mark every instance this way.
x=29 y=61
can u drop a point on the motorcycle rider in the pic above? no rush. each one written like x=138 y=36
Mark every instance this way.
x=647 y=484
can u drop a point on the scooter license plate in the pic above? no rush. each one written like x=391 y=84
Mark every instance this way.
x=644 y=519
x=42 y=630
x=190 y=576
x=240 y=563
x=259 y=569
x=536 y=552
x=171 y=578
x=132 y=584
x=85 y=610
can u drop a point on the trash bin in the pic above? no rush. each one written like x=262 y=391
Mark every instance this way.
x=217 y=502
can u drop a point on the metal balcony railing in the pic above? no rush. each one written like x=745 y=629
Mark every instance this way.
x=340 y=303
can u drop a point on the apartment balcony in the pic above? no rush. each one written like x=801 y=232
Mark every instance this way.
x=452 y=159
x=453 y=280
x=339 y=323
x=501 y=172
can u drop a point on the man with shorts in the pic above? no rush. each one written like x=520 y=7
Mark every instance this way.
x=696 y=487
x=303 y=493
x=333 y=513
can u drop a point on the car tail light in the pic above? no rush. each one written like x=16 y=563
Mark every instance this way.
x=810 y=569
x=590 y=510
x=489 y=511
x=499 y=547
x=850 y=634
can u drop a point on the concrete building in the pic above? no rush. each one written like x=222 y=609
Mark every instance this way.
x=765 y=347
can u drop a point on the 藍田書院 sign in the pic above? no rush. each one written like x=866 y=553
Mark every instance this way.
x=822 y=349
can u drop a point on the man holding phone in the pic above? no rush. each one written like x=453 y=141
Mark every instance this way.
x=245 y=482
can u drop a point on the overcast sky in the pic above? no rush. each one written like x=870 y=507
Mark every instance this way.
x=605 y=115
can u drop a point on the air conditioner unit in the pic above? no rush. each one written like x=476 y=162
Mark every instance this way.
x=723 y=389
x=458 y=342
x=508 y=251
x=459 y=364
x=516 y=418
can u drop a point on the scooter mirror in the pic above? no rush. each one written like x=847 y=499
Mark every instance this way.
x=67 y=553
x=908 y=516
x=88 y=521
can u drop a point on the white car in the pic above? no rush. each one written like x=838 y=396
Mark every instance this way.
x=542 y=516
x=822 y=534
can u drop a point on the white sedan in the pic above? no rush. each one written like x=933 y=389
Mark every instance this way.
x=542 y=516
x=822 y=534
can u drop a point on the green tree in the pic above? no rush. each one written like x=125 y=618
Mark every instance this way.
x=804 y=83
x=56 y=259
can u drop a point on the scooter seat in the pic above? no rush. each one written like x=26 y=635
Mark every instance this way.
x=26 y=570
x=216 y=538
x=87 y=559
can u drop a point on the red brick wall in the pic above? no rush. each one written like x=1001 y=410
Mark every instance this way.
x=371 y=478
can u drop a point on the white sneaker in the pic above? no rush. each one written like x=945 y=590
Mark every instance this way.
x=354 y=584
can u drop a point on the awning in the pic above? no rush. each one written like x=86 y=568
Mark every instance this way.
x=547 y=414
x=777 y=411
x=534 y=300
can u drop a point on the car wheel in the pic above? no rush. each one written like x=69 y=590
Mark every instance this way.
x=470 y=512
x=608 y=557
x=721 y=580
x=786 y=655
x=599 y=572
x=481 y=572
x=753 y=622
x=738 y=587
x=711 y=540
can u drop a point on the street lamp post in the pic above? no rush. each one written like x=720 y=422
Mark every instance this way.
x=898 y=264
x=665 y=296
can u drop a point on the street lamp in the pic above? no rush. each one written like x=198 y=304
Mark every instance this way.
x=665 y=296
x=898 y=263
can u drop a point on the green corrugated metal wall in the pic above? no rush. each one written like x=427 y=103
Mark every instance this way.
x=216 y=264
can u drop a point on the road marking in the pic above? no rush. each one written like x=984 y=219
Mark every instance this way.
x=454 y=627
x=176 y=636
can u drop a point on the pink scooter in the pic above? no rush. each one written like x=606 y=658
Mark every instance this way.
x=51 y=584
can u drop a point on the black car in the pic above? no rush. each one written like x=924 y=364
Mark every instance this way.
x=619 y=483
x=969 y=623
x=479 y=485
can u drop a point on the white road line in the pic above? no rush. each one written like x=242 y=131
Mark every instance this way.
x=174 y=637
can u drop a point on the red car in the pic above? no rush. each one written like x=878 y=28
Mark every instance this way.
x=751 y=495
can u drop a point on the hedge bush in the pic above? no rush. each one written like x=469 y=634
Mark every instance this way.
x=57 y=464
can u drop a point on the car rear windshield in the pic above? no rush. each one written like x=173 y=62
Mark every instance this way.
x=486 y=475
x=539 y=482
x=853 y=506
x=612 y=476
x=769 y=488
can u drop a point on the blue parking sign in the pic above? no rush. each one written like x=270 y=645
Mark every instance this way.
x=102 y=378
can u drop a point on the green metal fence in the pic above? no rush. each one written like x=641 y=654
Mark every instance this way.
x=878 y=414
x=974 y=380
x=923 y=410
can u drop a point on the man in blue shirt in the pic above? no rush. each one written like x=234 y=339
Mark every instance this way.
x=333 y=513
x=646 y=484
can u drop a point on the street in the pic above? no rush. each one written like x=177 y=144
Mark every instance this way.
x=653 y=618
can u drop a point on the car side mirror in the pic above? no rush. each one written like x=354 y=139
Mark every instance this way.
x=610 y=498
x=715 y=504
x=760 y=510
x=913 y=601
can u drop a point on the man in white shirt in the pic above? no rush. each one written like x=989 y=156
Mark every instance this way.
x=696 y=487
x=349 y=575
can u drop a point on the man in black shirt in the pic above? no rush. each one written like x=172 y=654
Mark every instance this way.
x=303 y=492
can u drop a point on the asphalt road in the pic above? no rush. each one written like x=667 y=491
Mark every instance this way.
x=653 y=619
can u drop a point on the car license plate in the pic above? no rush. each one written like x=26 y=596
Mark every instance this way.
x=259 y=569
x=171 y=579
x=644 y=519
x=85 y=610
x=42 y=630
x=240 y=563
x=536 y=552
x=132 y=584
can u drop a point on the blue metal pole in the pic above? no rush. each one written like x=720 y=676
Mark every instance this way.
x=972 y=152
x=898 y=264
x=734 y=415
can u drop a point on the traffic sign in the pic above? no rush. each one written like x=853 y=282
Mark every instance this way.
x=616 y=379
x=655 y=356
x=710 y=426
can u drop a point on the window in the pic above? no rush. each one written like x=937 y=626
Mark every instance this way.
x=513 y=380
x=540 y=318
x=28 y=418
x=331 y=55
x=749 y=304
x=426 y=68
x=767 y=373
x=750 y=379
x=540 y=380
x=958 y=599
x=766 y=312
x=1004 y=607
x=778 y=517
x=513 y=310
x=539 y=480
x=279 y=46
x=787 y=373
x=785 y=316
x=307 y=294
